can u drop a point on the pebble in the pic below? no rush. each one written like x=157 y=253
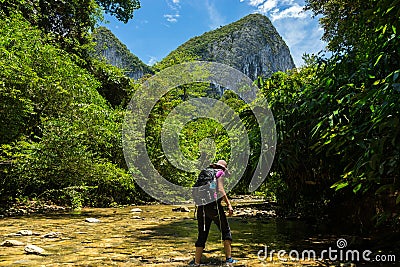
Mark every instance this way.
x=92 y=220
x=181 y=259
x=52 y=235
x=25 y=232
x=13 y=235
x=136 y=210
x=181 y=209
x=147 y=231
x=21 y=262
x=11 y=243
x=32 y=249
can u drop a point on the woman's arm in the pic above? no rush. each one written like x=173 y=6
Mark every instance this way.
x=221 y=190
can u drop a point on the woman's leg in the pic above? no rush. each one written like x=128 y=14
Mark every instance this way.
x=228 y=248
x=203 y=228
x=222 y=222
x=198 y=254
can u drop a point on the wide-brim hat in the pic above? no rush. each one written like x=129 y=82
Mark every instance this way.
x=221 y=164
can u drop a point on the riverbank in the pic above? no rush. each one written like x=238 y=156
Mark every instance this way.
x=29 y=207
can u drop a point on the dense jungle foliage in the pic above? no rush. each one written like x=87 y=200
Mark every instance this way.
x=60 y=138
x=337 y=119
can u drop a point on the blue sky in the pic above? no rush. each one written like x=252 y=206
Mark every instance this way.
x=160 y=26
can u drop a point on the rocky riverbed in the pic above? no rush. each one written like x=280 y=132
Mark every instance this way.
x=152 y=235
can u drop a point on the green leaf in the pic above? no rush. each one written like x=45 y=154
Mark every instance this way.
x=347 y=174
x=377 y=82
x=329 y=82
x=389 y=9
x=339 y=185
x=378 y=59
x=357 y=188
x=372 y=108
x=384 y=29
x=398 y=199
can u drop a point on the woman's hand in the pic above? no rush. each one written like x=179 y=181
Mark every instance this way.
x=230 y=210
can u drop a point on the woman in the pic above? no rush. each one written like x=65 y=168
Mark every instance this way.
x=214 y=212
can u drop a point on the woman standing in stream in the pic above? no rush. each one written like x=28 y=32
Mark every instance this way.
x=214 y=212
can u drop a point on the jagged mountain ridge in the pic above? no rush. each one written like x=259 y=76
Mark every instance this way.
x=110 y=48
x=251 y=45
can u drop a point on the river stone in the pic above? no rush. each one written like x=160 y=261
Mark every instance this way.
x=136 y=210
x=11 y=243
x=147 y=232
x=13 y=235
x=52 y=235
x=32 y=249
x=92 y=220
x=181 y=259
x=181 y=209
x=21 y=262
x=25 y=232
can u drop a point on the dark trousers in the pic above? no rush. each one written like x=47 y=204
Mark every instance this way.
x=211 y=213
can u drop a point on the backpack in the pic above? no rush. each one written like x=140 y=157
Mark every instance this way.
x=205 y=189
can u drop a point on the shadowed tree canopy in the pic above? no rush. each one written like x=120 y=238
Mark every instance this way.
x=352 y=25
x=70 y=21
x=121 y=9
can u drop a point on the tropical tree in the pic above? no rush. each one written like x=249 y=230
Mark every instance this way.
x=62 y=139
x=358 y=96
x=69 y=22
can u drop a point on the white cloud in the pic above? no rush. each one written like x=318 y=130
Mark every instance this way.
x=256 y=2
x=173 y=4
x=215 y=17
x=152 y=61
x=294 y=11
x=281 y=9
x=175 y=8
x=301 y=36
x=172 y=17
x=267 y=6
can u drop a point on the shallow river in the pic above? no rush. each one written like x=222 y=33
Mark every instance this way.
x=156 y=236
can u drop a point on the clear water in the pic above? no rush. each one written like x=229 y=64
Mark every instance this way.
x=157 y=236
